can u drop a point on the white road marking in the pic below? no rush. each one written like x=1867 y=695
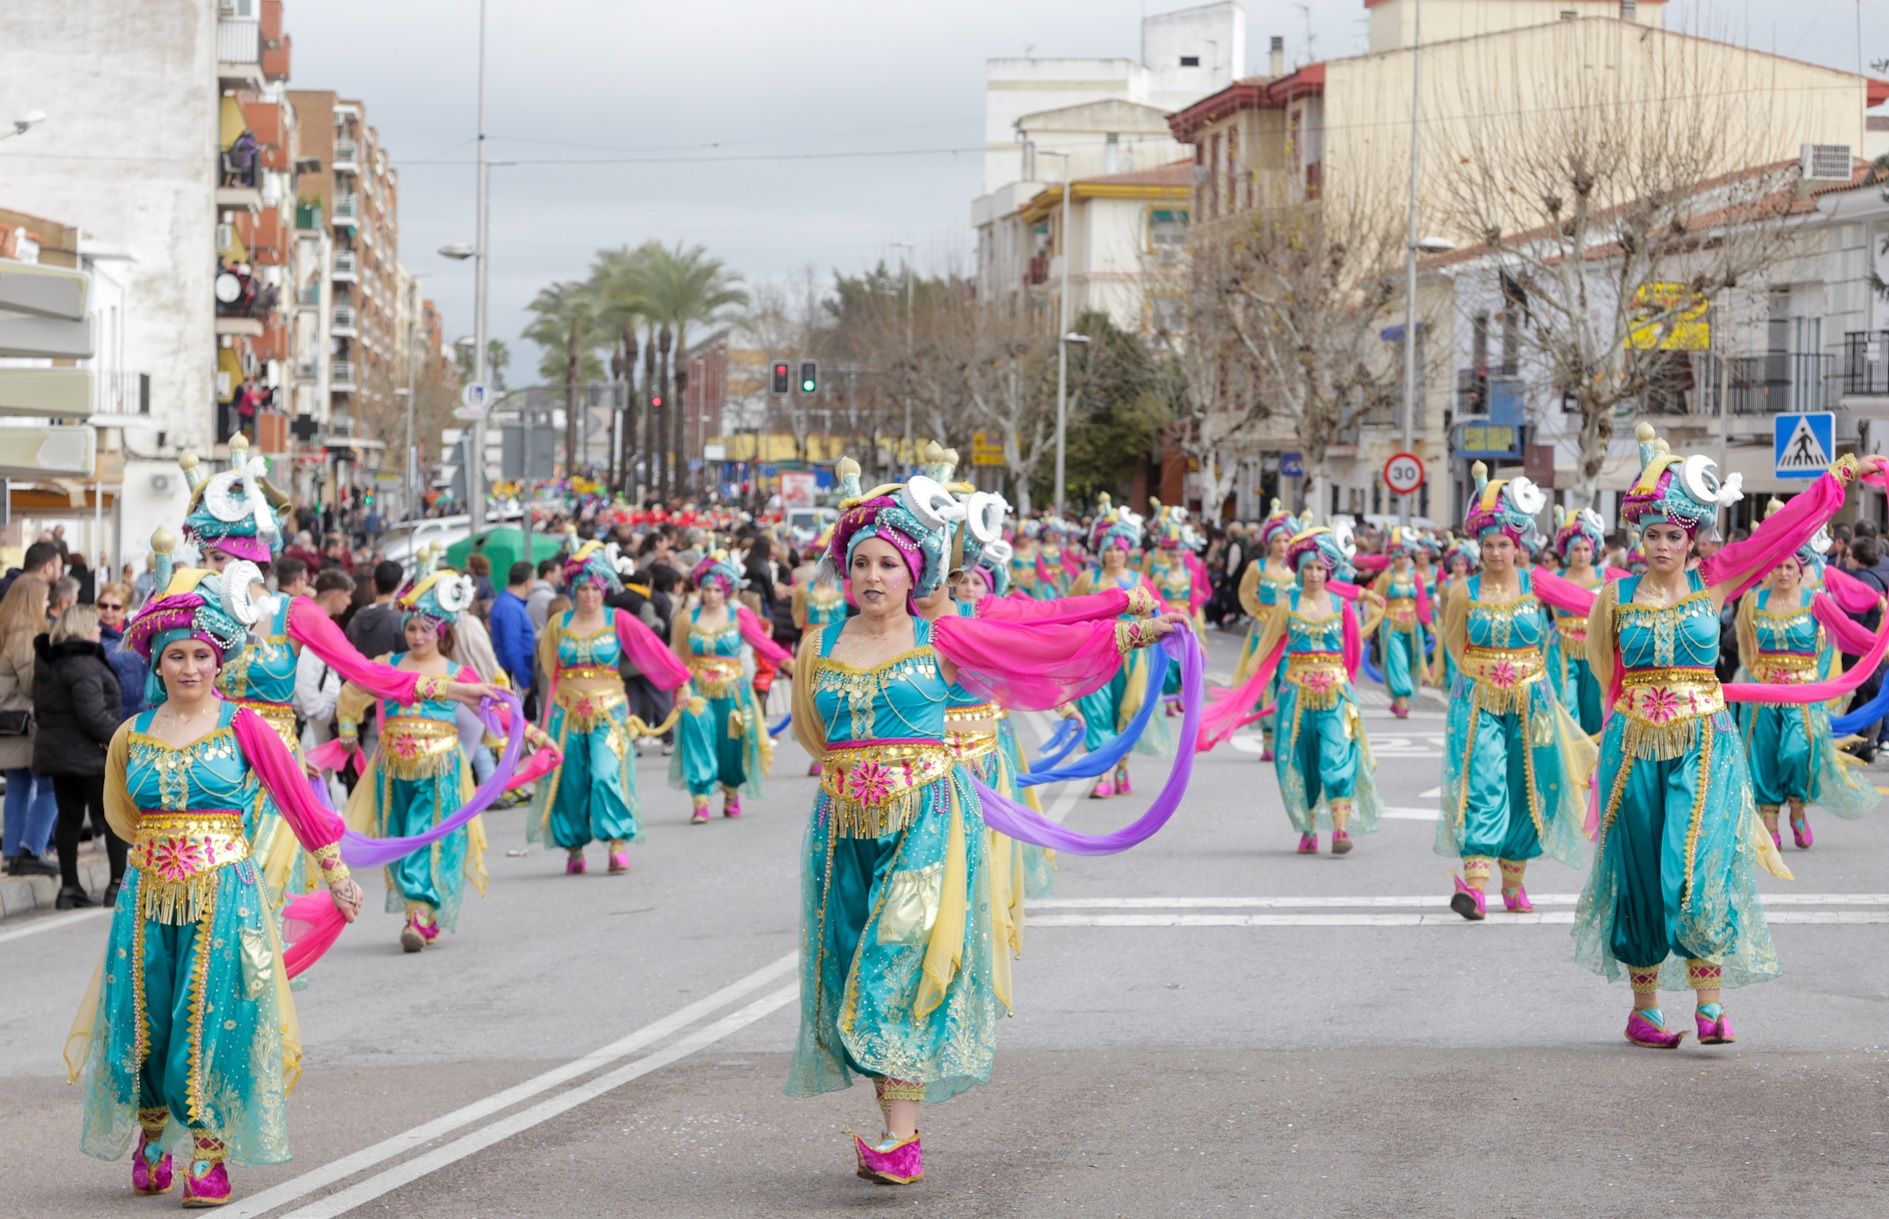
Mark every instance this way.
x=297 y=1188
x=451 y=1153
x=1404 y=812
x=1435 y=793
x=1402 y=919
x=52 y=922
x=1383 y=900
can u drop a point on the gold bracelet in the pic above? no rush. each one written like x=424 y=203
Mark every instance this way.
x=1845 y=468
x=334 y=870
x=1141 y=602
x=427 y=688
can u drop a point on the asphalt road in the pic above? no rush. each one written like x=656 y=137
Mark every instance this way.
x=1207 y=1025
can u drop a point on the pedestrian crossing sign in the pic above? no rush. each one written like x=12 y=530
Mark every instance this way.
x=1803 y=445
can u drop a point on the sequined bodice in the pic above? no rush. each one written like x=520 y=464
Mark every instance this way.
x=582 y=651
x=825 y=604
x=1402 y=588
x=721 y=641
x=902 y=699
x=209 y=773
x=264 y=671
x=1785 y=630
x=1271 y=586
x=1305 y=635
x=442 y=709
x=1023 y=571
x=1520 y=623
x=1128 y=581
x=1171 y=576
x=1682 y=635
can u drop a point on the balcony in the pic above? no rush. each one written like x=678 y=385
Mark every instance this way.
x=276 y=43
x=308 y=296
x=239 y=52
x=1748 y=386
x=347 y=210
x=341 y=376
x=342 y=326
x=124 y=393
x=239 y=180
x=345 y=266
x=242 y=302
x=347 y=157
x=1038 y=272
x=1866 y=363
x=307 y=215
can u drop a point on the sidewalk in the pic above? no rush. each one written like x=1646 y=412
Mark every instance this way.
x=19 y=894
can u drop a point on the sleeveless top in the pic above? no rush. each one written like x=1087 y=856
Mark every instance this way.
x=1502 y=658
x=262 y=675
x=885 y=733
x=599 y=651
x=1669 y=681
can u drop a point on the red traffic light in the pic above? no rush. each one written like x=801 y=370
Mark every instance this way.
x=782 y=376
x=655 y=402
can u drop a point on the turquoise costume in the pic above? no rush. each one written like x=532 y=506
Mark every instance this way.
x=592 y=796
x=194 y=1017
x=1322 y=755
x=721 y=739
x=1575 y=683
x=261 y=676
x=1674 y=874
x=1401 y=636
x=1508 y=790
x=1107 y=711
x=1792 y=757
x=883 y=889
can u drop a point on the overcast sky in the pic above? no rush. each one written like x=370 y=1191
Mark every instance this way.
x=585 y=79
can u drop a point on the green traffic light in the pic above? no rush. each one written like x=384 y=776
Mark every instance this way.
x=806 y=387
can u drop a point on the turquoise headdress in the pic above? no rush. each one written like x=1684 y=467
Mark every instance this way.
x=1507 y=506
x=234 y=510
x=1581 y=525
x=1114 y=527
x=985 y=549
x=437 y=595
x=1331 y=545
x=217 y=608
x=914 y=517
x=1675 y=490
x=717 y=568
x=593 y=562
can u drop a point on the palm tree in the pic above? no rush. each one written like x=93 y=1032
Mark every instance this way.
x=683 y=288
x=617 y=282
x=566 y=327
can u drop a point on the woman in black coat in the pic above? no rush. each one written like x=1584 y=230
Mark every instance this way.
x=75 y=701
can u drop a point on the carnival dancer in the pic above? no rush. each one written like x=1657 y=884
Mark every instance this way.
x=1515 y=766
x=1324 y=759
x=419 y=775
x=1671 y=898
x=896 y=959
x=1792 y=756
x=1026 y=563
x=1580 y=540
x=721 y=740
x=191 y=1041
x=592 y=796
x=1406 y=614
x=818 y=599
x=1461 y=559
x=1106 y=711
x=1261 y=586
x=232 y=519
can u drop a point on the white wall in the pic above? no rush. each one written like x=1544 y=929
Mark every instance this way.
x=128 y=153
x=1393 y=22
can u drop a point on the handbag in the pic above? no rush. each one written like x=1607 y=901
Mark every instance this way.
x=16 y=723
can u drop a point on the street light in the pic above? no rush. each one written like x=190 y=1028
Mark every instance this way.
x=1062 y=345
x=458 y=251
x=911 y=252
x=32 y=118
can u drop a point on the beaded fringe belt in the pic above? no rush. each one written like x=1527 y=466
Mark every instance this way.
x=415 y=748
x=1502 y=677
x=1663 y=708
x=971 y=732
x=1319 y=676
x=1401 y=612
x=586 y=709
x=1574 y=633
x=714 y=676
x=178 y=856
x=875 y=788
x=1785 y=668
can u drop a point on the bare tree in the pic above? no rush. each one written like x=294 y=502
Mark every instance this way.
x=1640 y=184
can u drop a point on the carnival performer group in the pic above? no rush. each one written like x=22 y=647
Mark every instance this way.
x=1585 y=722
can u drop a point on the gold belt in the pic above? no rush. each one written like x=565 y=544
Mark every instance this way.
x=279 y=716
x=971 y=732
x=1503 y=676
x=873 y=790
x=585 y=709
x=589 y=673
x=715 y=676
x=178 y=856
x=1319 y=676
x=1663 y=708
x=412 y=747
x=1401 y=610
x=1785 y=668
x=1573 y=630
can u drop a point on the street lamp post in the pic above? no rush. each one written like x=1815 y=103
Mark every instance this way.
x=475 y=468
x=1410 y=252
x=910 y=252
x=1062 y=339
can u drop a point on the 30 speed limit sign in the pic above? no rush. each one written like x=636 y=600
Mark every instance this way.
x=1403 y=473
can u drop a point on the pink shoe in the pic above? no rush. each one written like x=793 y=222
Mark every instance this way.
x=1468 y=902
x=1266 y=755
x=700 y=815
x=1643 y=1032
x=1777 y=840
x=1516 y=901
x=1402 y=713
x=891 y=1161
x=1121 y=786
x=150 y=1177
x=619 y=861
x=575 y=865
x=1714 y=1030
x=1308 y=844
x=731 y=806
x=207 y=1182
x=1102 y=790
x=1801 y=835
x=1340 y=843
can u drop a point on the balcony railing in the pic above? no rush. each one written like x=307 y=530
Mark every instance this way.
x=308 y=294
x=238 y=40
x=341 y=375
x=1866 y=362
x=343 y=319
x=1767 y=384
x=347 y=209
x=345 y=265
x=347 y=155
x=307 y=214
x=125 y=393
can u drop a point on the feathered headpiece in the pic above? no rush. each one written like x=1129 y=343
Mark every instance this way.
x=1675 y=490
x=1581 y=525
x=1507 y=506
x=1329 y=545
x=217 y=608
x=1113 y=527
x=1401 y=541
x=1277 y=522
x=1466 y=549
x=234 y=510
x=1170 y=527
x=717 y=568
x=1810 y=556
x=437 y=595
x=913 y=517
x=982 y=539
x=595 y=562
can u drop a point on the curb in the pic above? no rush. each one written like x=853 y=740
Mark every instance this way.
x=20 y=894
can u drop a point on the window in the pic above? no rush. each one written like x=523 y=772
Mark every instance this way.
x=1190 y=61
x=1167 y=229
x=1167 y=314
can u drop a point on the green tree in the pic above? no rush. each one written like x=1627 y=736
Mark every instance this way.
x=567 y=327
x=1122 y=394
x=683 y=288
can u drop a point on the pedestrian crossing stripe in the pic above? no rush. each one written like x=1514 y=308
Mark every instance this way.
x=1805 y=447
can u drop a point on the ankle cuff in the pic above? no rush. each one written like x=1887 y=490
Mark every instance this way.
x=1704 y=975
x=1643 y=978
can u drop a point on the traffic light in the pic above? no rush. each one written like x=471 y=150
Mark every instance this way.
x=809 y=377
x=781 y=373
x=655 y=402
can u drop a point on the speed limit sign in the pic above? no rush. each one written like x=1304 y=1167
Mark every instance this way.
x=1403 y=473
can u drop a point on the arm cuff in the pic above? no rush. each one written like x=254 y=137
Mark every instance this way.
x=333 y=870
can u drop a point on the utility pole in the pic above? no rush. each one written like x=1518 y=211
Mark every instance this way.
x=475 y=462
x=1410 y=253
x=1062 y=337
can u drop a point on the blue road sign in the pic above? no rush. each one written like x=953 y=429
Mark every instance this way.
x=1292 y=465
x=1803 y=445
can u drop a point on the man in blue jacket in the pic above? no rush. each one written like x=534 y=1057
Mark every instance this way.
x=513 y=637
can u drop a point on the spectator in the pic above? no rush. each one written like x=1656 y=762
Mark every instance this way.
x=318 y=687
x=335 y=553
x=303 y=548
x=479 y=567
x=65 y=595
x=1867 y=564
x=376 y=630
x=114 y=602
x=655 y=603
x=514 y=639
x=42 y=560
x=87 y=579
x=538 y=604
x=291 y=577
x=145 y=586
x=75 y=700
x=30 y=809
